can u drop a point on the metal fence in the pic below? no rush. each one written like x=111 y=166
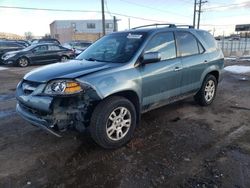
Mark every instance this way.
x=236 y=48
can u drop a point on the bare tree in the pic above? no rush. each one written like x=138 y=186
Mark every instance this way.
x=28 y=35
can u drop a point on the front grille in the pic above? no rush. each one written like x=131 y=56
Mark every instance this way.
x=28 y=86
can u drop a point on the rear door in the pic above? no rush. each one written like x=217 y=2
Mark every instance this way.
x=39 y=54
x=55 y=52
x=161 y=80
x=193 y=60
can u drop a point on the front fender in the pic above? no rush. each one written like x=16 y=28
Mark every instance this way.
x=110 y=82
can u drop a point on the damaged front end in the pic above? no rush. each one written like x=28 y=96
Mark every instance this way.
x=54 y=111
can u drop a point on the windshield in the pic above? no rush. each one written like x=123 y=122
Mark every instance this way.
x=115 y=48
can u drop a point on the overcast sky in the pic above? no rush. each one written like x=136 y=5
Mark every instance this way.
x=218 y=15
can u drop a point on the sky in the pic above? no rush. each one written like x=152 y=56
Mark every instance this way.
x=218 y=16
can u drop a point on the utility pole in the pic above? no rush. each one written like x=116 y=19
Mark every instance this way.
x=103 y=19
x=194 y=19
x=114 y=24
x=199 y=12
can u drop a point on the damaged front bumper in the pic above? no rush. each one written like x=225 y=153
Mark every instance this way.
x=35 y=120
x=52 y=113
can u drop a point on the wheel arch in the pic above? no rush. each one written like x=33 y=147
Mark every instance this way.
x=23 y=56
x=133 y=97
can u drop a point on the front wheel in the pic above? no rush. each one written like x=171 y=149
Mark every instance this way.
x=113 y=122
x=64 y=58
x=23 y=62
x=207 y=93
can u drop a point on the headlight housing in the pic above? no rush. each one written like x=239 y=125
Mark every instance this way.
x=63 y=87
x=7 y=56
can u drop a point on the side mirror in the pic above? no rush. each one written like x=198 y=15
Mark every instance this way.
x=151 y=57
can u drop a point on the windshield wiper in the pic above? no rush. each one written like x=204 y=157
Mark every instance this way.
x=93 y=59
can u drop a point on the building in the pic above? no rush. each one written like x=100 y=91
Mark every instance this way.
x=10 y=36
x=90 y=30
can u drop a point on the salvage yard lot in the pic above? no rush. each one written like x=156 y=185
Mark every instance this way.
x=180 y=145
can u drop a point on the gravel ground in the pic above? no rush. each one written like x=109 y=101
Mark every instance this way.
x=180 y=145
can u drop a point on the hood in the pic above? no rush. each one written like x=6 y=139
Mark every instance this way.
x=12 y=52
x=67 y=70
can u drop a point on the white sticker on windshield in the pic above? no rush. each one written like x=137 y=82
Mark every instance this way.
x=133 y=36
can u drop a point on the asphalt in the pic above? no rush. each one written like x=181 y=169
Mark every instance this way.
x=180 y=145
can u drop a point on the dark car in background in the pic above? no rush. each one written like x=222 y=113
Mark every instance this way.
x=39 y=53
x=54 y=41
x=7 y=46
x=77 y=46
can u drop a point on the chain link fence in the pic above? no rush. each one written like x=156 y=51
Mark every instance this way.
x=235 y=48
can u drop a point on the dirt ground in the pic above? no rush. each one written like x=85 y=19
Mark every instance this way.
x=180 y=145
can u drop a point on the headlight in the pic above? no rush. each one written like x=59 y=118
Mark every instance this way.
x=63 y=87
x=7 y=56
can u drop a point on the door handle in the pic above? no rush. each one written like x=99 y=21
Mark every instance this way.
x=177 y=69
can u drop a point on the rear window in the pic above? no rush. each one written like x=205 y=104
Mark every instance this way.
x=209 y=40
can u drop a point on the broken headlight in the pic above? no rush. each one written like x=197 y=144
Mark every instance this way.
x=62 y=87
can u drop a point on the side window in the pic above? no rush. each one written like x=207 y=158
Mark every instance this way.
x=41 y=48
x=187 y=44
x=201 y=49
x=54 y=48
x=164 y=43
x=209 y=40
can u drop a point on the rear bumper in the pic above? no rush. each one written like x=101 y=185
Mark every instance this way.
x=35 y=120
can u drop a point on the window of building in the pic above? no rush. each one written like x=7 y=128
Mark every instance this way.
x=109 y=26
x=187 y=44
x=91 y=25
x=164 y=43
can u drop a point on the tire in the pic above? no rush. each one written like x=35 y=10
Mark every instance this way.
x=23 y=62
x=119 y=131
x=64 y=58
x=207 y=93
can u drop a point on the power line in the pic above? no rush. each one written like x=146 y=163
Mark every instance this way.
x=68 y=10
x=153 y=8
x=226 y=6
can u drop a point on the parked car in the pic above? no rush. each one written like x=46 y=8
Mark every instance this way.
x=36 y=41
x=77 y=46
x=40 y=53
x=122 y=75
x=7 y=46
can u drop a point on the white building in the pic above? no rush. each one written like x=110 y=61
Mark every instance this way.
x=91 y=30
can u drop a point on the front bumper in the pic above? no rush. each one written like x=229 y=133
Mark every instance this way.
x=52 y=114
x=35 y=120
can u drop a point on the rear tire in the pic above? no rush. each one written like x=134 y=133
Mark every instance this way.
x=207 y=93
x=23 y=62
x=113 y=122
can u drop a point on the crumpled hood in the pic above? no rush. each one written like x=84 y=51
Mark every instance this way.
x=69 y=69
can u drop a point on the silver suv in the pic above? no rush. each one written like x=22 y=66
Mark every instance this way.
x=119 y=77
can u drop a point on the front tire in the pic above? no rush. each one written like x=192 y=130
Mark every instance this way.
x=64 y=58
x=207 y=93
x=113 y=122
x=23 y=62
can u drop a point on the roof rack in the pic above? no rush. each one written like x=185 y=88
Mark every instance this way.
x=167 y=24
x=144 y=26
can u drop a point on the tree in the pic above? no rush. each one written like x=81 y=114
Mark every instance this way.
x=47 y=36
x=28 y=35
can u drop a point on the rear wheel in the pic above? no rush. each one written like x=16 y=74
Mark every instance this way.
x=23 y=62
x=207 y=93
x=113 y=122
